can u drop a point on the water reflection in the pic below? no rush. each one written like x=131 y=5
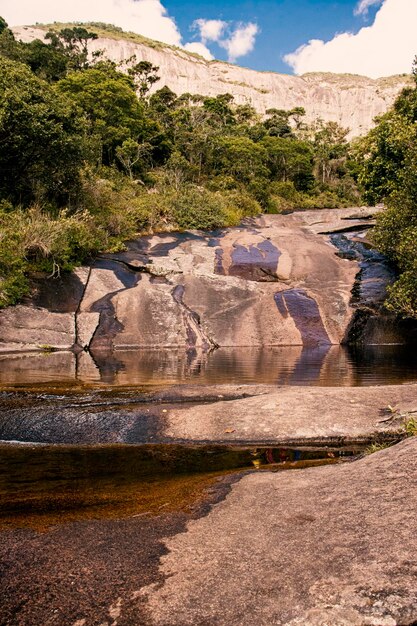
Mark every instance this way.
x=323 y=366
x=55 y=484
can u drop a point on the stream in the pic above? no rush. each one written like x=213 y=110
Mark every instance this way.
x=325 y=366
x=42 y=485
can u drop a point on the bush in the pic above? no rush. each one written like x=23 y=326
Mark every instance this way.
x=199 y=208
x=33 y=240
x=285 y=190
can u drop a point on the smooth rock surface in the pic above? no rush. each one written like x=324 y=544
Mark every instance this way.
x=30 y=328
x=290 y=414
x=332 y=546
x=273 y=281
x=218 y=414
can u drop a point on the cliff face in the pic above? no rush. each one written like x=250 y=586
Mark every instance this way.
x=352 y=101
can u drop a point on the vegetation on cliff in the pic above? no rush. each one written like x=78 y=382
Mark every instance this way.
x=388 y=173
x=89 y=158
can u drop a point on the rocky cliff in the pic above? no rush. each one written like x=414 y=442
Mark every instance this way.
x=352 y=101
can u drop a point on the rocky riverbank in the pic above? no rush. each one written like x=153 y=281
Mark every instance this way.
x=244 y=414
x=328 y=545
x=167 y=504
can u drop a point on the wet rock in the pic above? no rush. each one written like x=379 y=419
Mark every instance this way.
x=372 y=323
x=233 y=414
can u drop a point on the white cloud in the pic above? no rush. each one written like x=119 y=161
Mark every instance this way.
x=385 y=48
x=147 y=17
x=238 y=41
x=241 y=41
x=363 y=6
x=199 y=48
x=210 y=30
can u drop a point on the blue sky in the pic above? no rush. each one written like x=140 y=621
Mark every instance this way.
x=284 y=24
x=370 y=37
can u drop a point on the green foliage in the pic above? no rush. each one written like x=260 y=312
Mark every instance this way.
x=33 y=240
x=91 y=157
x=72 y=43
x=330 y=150
x=383 y=153
x=388 y=172
x=202 y=209
x=143 y=74
x=289 y=161
x=44 y=61
x=41 y=135
x=377 y=447
x=108 y=99
x=239 y=157
x=410 y=427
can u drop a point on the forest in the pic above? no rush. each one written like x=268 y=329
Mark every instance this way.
x=93 y=154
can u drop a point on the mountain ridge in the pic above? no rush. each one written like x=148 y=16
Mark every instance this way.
x=353 y=101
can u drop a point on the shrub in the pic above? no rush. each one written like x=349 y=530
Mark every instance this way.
x=199 y=208
x=34 y=240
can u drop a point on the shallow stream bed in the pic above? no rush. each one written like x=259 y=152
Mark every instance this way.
x=42 y=486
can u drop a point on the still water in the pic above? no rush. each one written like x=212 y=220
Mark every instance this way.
x=41 y=486
x=324 y=366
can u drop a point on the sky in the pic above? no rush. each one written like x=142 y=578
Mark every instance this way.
x=370 y=37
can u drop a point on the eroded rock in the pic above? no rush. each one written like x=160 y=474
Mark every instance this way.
x=271 y=282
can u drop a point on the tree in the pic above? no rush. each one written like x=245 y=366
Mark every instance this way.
x=9 y=47
x=44 y=60
x=388 y=171
x=143 y=74
x=3 y=24
x=245 y=114
x=109 y=101
x=73 y=43
x=279 y=122
x=219 y=109
x=42 y=136
x=239 y=157
x=330 y=146
x=395 y=235
x=383 y=152
x=289 y=160
x=131 y=154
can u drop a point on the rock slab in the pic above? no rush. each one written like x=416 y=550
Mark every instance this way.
x=332 y=546
x=274 y=281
